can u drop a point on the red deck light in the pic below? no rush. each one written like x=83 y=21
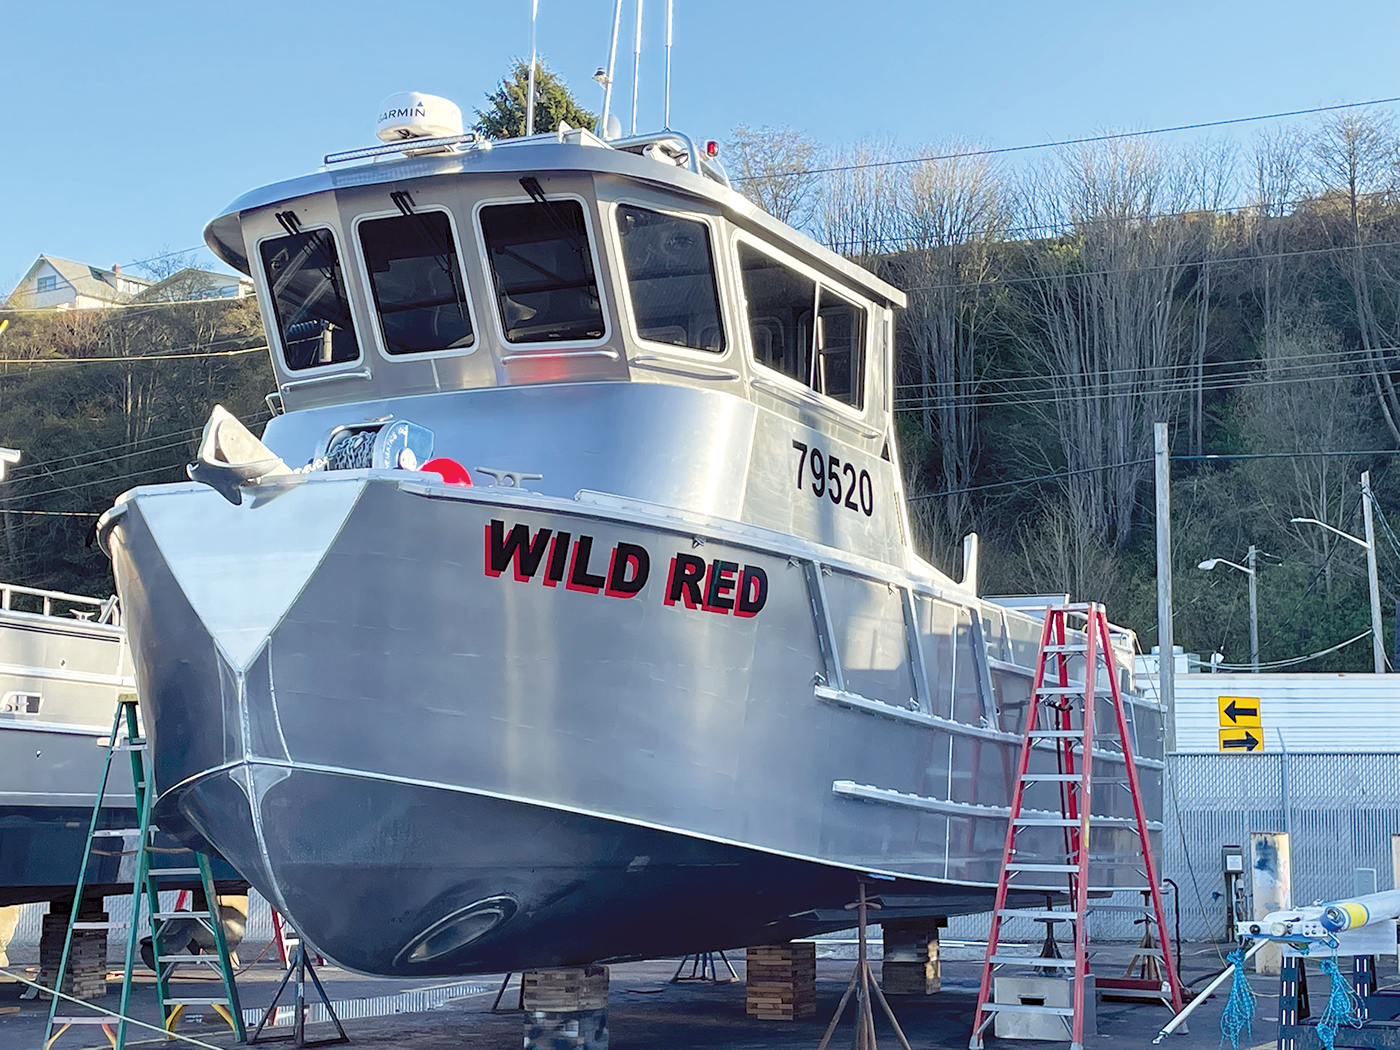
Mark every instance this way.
x=712 y=148
x=449 y=470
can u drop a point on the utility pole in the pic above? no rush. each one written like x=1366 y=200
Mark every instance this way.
x=1166 y=650
x=1377 y=631
x=1253 y=612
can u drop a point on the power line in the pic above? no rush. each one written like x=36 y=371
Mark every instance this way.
x=128 y=359
x=1292 y=661
x=1181 y=264
x=1029 y=481
x=1045 y=381
x=1290 y=455
x=161 y=305
x=1083 y=141
x=1181 y=384
x=1142 y=462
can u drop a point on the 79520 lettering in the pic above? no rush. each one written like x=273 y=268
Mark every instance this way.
x=823 y=474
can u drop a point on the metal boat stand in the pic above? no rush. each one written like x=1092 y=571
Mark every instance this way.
x=863 y=984
x=520 y=1003
x=301 y=966
x=704 y=968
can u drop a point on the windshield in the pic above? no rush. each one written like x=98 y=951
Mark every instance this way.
x=417 y=283
x=546 y=290
x=308 y=297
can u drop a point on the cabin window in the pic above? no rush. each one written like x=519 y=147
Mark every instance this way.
x=840 y=362
x=780 y=304
x=417 y=283
x=828 y=356
x=48 y=284
x=671 y=277
x=309 y=300
x=20 y=703
x=542 y=266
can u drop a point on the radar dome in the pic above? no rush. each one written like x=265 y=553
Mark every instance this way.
x=413 y=115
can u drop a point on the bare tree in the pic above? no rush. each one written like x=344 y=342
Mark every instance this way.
x=1209 y=172
x=1280 y=180
x=1354 y=158
x=955 y=211
x=166 y=264
x=1101 y=318
x=1304 y=401
x=772 y=166
x=858 y=210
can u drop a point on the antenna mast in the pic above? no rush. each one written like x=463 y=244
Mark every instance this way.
x=530 y=86
x=607 y=78
x=666 y=115
x=636 y=65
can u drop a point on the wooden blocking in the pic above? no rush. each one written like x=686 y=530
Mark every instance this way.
x=87 y=957
x=911 y=964
x=566 y=1030
x=781 y=981
x=566 y=1009
x=573 y=989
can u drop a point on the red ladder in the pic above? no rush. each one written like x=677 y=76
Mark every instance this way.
x=1061 y=713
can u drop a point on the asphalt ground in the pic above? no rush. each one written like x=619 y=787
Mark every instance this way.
x=646 y=1010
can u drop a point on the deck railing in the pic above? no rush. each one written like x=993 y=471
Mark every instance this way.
x=100 y=610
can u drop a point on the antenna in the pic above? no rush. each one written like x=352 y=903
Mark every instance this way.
x=636 y=65
x=666 y=113
x=605 y=77
x=530 y=86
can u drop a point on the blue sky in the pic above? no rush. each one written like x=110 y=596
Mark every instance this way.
x=129 y=125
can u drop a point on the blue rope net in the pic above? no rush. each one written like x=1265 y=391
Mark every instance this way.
x=1238 y=1017
x=1343 y=1006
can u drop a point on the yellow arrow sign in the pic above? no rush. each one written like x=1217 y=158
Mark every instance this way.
x=1248 y=739
x=1239 y=711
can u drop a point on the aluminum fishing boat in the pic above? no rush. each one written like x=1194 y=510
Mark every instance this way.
x=63 y=663
x=566 y=610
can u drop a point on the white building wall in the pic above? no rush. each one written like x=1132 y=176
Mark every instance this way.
x=1312 y=712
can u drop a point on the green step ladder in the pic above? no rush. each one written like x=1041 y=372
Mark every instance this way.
x=146 y=885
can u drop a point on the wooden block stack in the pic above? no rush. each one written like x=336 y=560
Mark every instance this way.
x=910 y=959
x=781 y=981
x=87 y=958
x=566 y=1009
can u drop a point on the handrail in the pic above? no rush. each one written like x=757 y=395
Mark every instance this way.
x=470 y=138
x=106 y=608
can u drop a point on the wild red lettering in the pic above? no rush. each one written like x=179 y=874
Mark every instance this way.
x=726 y=588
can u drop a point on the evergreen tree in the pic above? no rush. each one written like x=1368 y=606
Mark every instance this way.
x=504 y=116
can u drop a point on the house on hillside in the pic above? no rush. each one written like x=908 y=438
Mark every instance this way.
x=193 y=283
x=61 y=284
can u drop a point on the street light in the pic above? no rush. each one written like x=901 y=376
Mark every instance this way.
x=1377 y=632
x=1248 y=570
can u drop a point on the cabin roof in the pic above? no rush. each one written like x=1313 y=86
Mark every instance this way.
x=542 y=153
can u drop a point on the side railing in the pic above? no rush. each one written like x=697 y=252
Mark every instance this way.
x=78 y=606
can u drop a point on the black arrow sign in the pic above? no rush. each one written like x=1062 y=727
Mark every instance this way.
x=1246 y=743
x=1235 y=713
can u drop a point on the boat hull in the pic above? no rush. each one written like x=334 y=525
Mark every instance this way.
x=384 y=714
